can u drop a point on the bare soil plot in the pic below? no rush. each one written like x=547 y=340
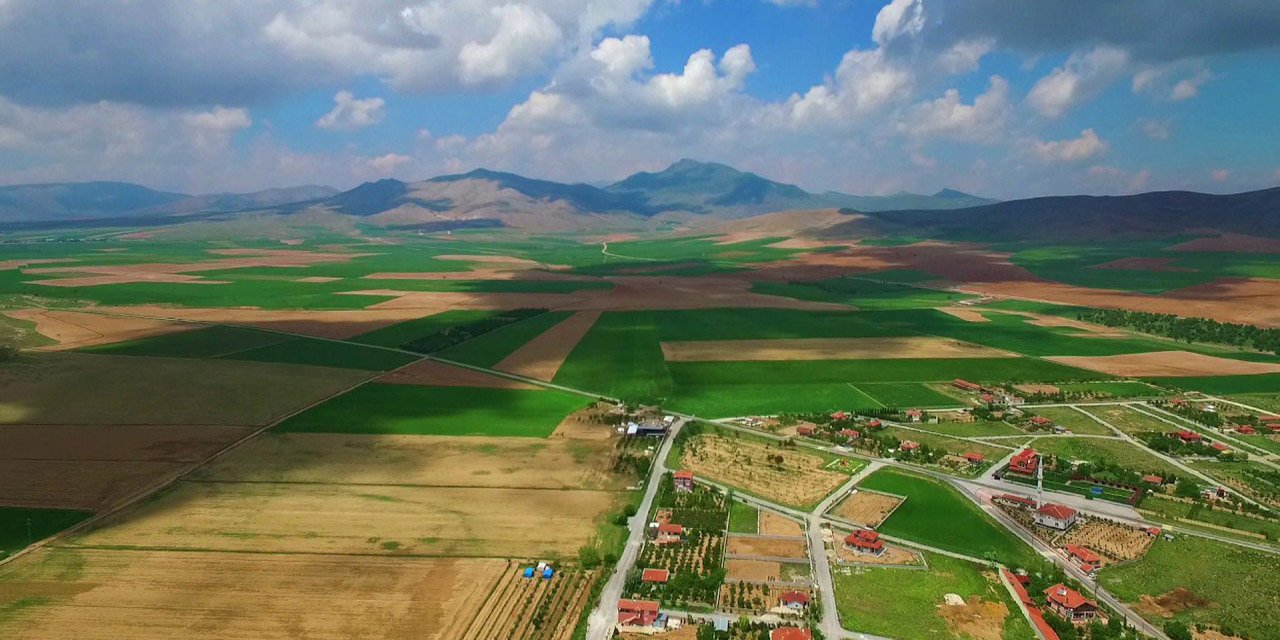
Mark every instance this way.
x=339 y=325
x=1113 y=541
x=893 y=556
x=143 y=595
x=1167 y=364
x=1034 y=389
x=976 y=618
x=968 y=315
x=82 y=485
x=430 y=373
x=867 y=508
x=1231 y=242
x=752 y=466
x=317 y=279
x=541 y=357
x=37 y=388
x=1142 y=264
x=360 y=519
x=1170 y=604
x=72 y=330
x=750 y=546
x=772 y=524
x=752 y=570
x=471 y=461
x=826 y=349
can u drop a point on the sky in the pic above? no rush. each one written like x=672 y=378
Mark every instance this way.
x=1002 y=98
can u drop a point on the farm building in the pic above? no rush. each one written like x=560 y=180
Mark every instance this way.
x=865 y=541
x=840 y=416
x=1245 y=429
x=669 y=534
x=1188 y=436
x=988 y=398
x=973 y=457
x=637 y=613
x=1015 y=500
x=1041 y=422
x=915 y=415
x=791 y=633
x=909 y=445
x=683 y=481
x=795 y=600
x=1024 y=462
x=658 y=576
x=965 y=385
x=648 y=428
x=1153 y=479
x=1082 y=555
x=852 y=434
x=876 y=424
x=1219 y=447
x=1056 y=516
x=1274 y=428
x=1070 y=604
x=1154 y=532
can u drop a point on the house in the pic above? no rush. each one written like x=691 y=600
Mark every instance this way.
x=794 y=600
x=865 y=541
x=659 y=576
x=648 y=428
x=1246 y=430
x=1024 y=462
x=915 y=415
x=683 y=481
x=1070 y=604
x=1015 y=500
x=973 y=457
x=988 y=398
x=637 y=613
x=1219 y=447
x=1082 y=555
x=909 y=445
x=1041 y=422
x=669 y=534
x=965 y=385
x=875 y=424
x=1178 y=402
x=1274 y=428
x=1055 y=516
x=840 y=416
x=852 y=434
x=1188 y=437
x=805 y=429
x=1154 y=532
x=1153 y=479
x=791 y=633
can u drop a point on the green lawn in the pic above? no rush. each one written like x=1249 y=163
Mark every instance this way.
x=1074 y=420
x=906 y=394
x=972 y=429
x=743 y=518
x=946 y=443
x=490 y=348
x=903 y=603
x=44 y=523
x=1129 y=420
x=1241 y=584
x=210 y=342
x=1117 y=452
x=1265 y=383
x=938 y=516
x=448 y=411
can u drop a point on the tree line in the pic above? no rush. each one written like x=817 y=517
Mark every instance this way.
x=1187 y=329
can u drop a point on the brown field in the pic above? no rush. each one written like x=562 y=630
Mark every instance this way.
x=867 y=508
x=72 y=330
x=772 y=524
x=893 y=556
x=743 y=463
x=510 y=261
x=317 y=279
x=35 y=389
x=356 y=519
x=1170 y=604
x=767 y=547
x=481 y=274
x=554 y=463
x=339 y=325
x=1167 y=364
x=1231 y=242
x=511 y=608
x=1114 y=542
x=541 y=357
x=94 y=275
x=752 y=570
x=1033 y=389
x=968 y=315
x=977 y=619
x=147 y=595
x=6 y=265
x=826 y=349
x=1142 y=264
x=429 y=373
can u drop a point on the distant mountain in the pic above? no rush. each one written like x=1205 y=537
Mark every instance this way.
x=121 y=201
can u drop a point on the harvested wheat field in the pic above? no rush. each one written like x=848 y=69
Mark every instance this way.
x=867 y=508
x=752 y=570
x=772 y=524
x=72 y=330
x=147 y=595
x=797 y=481
x=826 y=349
x=976 y=618
x=356 y=519
x=516 y=603
x=429 y=373
x=541 y=357
x=1231 y=242
x=763 y=547
x=1160 y=364
x=968 y=315
x=82 y=485
x=35 y=389
x=472 y=461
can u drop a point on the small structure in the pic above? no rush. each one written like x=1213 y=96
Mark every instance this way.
x=528 y=572
x=805 y=430
x=852 y=434
x=840 y=416
x=794 y=600
x=669 y=534
x=1015 y=500
x=791 y=633
x=657 y=576
x=1083 y=556
x=973 y=457
x=548 y=573
x=1219 y=447
x=987 y=398
x=1274 y=427
x=1246 y=430
x=866 y=542
x=1153 y=479
x=1070 y=604
x=637 y=613
x=1041 y=422
x=1025 y=462
x=683 y=481
x=1188 y=437
x=1056 y=516
x=915 y=415
x=909 y=445
x=965 y=385
x=1154 y=532
x=875 y=424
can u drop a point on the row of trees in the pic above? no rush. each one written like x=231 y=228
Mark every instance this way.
x=1187 y=329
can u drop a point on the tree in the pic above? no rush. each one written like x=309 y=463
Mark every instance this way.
x=589 y=556
x=1177 y=630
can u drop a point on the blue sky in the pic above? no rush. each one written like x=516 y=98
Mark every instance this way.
x=998 y=97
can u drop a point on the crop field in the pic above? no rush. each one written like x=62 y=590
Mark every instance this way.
x=976 y=429
x=1073 y=420
x=35 y=389
x=1253 y=480
x=158 y=595
x=1113 y=541
x=1129 y=420
x=1265 y=401
x=210 y=342
x=764 y=547
x=743 y=518
x=863 y=293
x=867 y=508
x=1121 y=389
x=1117 y=452
x=1202 y=581
x=490 y=348
x=1216 y=519
x=455 y=411
x=1225 y=385
x=899 y=603
x=937 y=515
x=531 y=608
x=944 y=443
x=20 y=526
x=753 y=466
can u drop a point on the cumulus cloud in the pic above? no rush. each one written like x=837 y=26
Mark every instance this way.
x=387 y=164
x=1083 y=77
x=1155 y=129
x=1176 y=81
x=1088 y=145
x=898 y=18
x=950 y=117
x=350 y=113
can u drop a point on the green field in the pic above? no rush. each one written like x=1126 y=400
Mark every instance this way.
x=743 y=518
x=938 y=516
x=906 y=395
x=979 y=428
x=903 y=603
x=403 y=333
x=1115 y=388
x=327 y=353
x=948 y=444
x=44 y=523
x=1173 y=510
x=1116 y=452
x=1073 y=420
x=442 y=411
x=208 y=342
x=1240 y=584
x=1129 y=420
x=1265 y=401
x=490 y=348
x=862 y=293
x=1265 y=383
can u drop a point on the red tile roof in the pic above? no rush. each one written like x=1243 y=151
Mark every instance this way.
x=1041 y=420
x=791 y=633
x=804 y=430
x=876 y=423
x=638 y=606
x=1219 y=446
x=1153 y=531
x=1246 y=429
x=910 y=445
x=974 y=456
x=864 y=539
x=655 y=575
x=683 y=475
x=1022 y=500
x=1083 y=554
x=1153 y=479
x=840 y=415
x=850 y=433
x=795 y=597
x=1188 y=436
x=1066 y=597
x=1059 y=511
x=670 y=529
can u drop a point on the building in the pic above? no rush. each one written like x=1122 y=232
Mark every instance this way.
x=805 y=430
x=915 y=415
x=909 y=445
x=875 y=424
x=1041 y=422
x=1082 y=555
x=791 y=633
x=852 y=434
x=965 y=385
x=794 y=600
x=659 y=576
x=1015 y=500
x=1024 y=462
x=648 y=428
x=1246 y=430
x=865 y=541
x=973 y=457
x=637 y=613
x=669 y=534
x=987 y=398
x=1056 y=516
x=683 y=480
x=840 y=416
x=1188 y=437
x=1219 y=447
x=1153 y=479
x=1070 y=604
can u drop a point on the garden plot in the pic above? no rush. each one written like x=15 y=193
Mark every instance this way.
x=737 y=570
x=773 y=524
x=1113 y=541
x=766 y=547
x=785 y=475
x=532 y=608
x=1129 y=420
x=867 y=508
x=747 y=598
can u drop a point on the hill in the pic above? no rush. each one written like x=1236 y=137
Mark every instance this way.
x=62 y=202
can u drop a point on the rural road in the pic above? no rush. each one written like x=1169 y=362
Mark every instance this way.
x=604 y=617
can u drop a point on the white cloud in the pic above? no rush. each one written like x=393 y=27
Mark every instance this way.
x=1082 y=78
x=1086 y=146
x=525 y=37
x=1176 y=81
x=351 y=113
x=625 y=56
x=865 y=82
x=1156 y=129
x=898 y=18
x=948 y=116
x=1220 y=175
x=965 y=56
x=387 y=164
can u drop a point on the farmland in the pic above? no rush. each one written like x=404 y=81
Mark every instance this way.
x=1073 y=420
x=785 y=475
x=1129 y=420
x=867 y=508
x=42 y=523
x=1111 y=452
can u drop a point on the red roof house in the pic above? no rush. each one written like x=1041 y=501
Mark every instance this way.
x=791 y=633
x=794 y=599
x=1019 y=583
x=637 y=613
x=1153 y=479
x=659 y=576
x=805 y=430
x=966 y=385
x=1218 y=446
x=1082 y=554
x=1055 y=516
x=683 y=480
x=1024 y=462
x=670 y=529
x=988 y=398
x=1041 y=421
x=1188 y=436
x=1273 y=428
x=874 y=424
x=974 y=457
x=840 y=415
x=865 y=541
x=852 y=434
x=910 y=445
x=915 y=415
x=1246 y=430
x=1070 y=604
x=1021 y=501
x=1154 y=532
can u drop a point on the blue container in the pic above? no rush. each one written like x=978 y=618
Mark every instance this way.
x=546 y=575
x=528 y=572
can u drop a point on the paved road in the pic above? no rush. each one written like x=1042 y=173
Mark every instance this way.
x=830 y=623
x=604 y=617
